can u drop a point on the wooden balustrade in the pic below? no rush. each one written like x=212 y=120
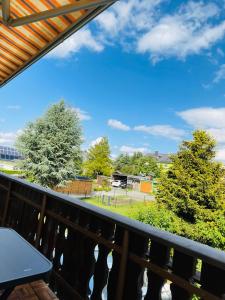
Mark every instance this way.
x=80 y=238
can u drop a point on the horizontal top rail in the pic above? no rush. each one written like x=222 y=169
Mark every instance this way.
x=195 y=249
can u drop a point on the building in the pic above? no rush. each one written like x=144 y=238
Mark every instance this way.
x=9 y=153
x=163 y=159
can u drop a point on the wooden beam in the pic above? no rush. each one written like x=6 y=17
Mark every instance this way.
x=66 y=9
x=6 y=11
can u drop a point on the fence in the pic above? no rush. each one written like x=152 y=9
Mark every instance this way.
x=78 y=187
x=118 y=197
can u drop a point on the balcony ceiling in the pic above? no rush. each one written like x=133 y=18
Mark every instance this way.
x=29 y=29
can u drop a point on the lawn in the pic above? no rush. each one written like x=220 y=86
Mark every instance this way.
x=125 y=210
x=11 y=172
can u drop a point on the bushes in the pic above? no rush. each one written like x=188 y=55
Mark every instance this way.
x=102 y=188
x=211 y=233
x=152 y=215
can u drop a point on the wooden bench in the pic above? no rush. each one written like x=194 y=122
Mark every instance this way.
x=37 y=290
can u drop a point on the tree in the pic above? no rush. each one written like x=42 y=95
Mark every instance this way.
x=193 y=188
x=148 y=165
x=137 y=164
x=51 y=146
x=123 y=164
x=98 y=160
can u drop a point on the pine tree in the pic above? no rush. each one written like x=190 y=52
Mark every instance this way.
x=98 y=160
x=193 y=187
x=51 y=146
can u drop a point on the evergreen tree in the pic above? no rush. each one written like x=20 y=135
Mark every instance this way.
x=98 y=160
x=193 y=187
x=51 y=146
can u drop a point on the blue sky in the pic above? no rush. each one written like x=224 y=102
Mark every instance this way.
x=145 y=74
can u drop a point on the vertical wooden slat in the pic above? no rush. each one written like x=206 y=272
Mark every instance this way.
x=101 y=267
x=116 y=259
x=159 y=255
x=71 y=264
x=213 y=280
x=123 y=265
x=28 y=222
x=138 y=245
x=185 y=267
x=41 y=221
x=88 y=260
x=6 y=203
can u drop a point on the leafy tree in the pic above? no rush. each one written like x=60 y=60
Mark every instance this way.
x=194 y=187
x=51 y=146
x=137 y=164
x=148 y=165
x=122 y=162
x=98 y=160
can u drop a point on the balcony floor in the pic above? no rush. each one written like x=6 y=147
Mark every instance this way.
x=37 y=290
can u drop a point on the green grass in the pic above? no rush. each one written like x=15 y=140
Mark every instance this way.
x=125 y=210
x=11 y=172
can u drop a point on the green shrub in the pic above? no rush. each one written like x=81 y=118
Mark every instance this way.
x=102 y=188
x=211 y=233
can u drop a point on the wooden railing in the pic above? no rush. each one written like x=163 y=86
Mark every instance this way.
x=69 y=231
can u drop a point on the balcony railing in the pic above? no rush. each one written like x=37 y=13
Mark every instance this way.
x=69 y=231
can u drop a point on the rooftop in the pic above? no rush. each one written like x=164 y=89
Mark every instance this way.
x=161 y=157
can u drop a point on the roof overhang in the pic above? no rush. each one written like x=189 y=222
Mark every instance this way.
x=29 y=29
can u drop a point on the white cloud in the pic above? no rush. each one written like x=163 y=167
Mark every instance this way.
x=204 y=117
x=117 y=18
x=218 y=134
x=210 y=119
x=220 y=155
x=108 y=21
x=220 y=74
x=82 y=114
x=131 y=150
x=126 y=20
x=96 y=141
x=121 y=22
x=188 y=31
x=14 y=107
x=81 y=39
x=118 y=125
x=143 y=26
x=9 y=138
x=162 y=130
